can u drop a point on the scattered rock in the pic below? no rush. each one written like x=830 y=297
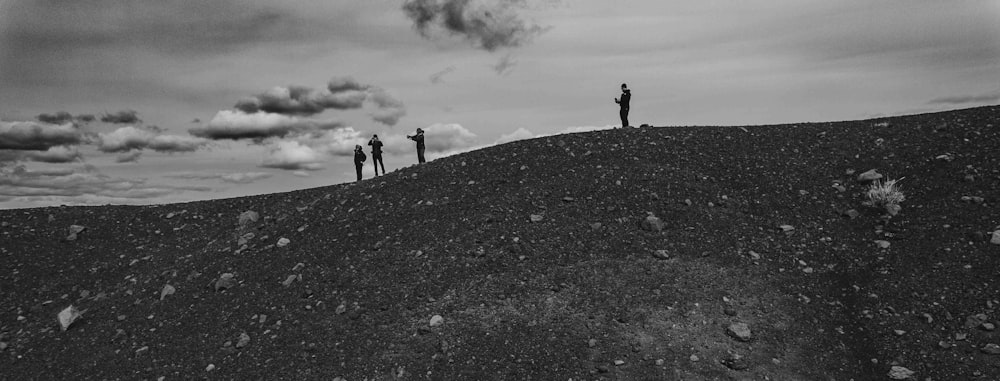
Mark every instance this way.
x=899 y=332
x=536 y=218
x=288 y=281
x=282 y=242
x=839 y=188
x=248 y=217
x=298 y=266
x=976 y=320
x=243 y=341
x=436 y=320
x=652 y=223
x=739 y=331
x=341 y=309
x=736 y=362
x=900 y=373
x=568 y=199
x=988 y=326
x=210 y=367
x=659 y=362
x=893 y=209
x=225 y=282
x=167 y=290
x=851 y=213
x=67 y=316
x=996 y=238
x=786 y=228
x=694 y=358
x=244 y=239
x=870 y=175
x=619 y=362
x=142 y=351
x=991 y=349
x=754 y=255
x=882 y=244
x=729 y=311
x=74 y=230
x=661 y=254
x=592 y=343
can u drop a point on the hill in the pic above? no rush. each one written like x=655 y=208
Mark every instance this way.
x=532 y=260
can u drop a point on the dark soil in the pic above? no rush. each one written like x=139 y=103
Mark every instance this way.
x=561 y=298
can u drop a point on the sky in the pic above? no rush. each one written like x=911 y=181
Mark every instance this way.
x=163 y=101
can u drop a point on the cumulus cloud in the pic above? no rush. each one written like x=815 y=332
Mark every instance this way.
x=519 y=134
x=487 y=24
x=235 y=124
x=128 y=157
x=72 y=184
x=439 y=137
x=292 y=155
x=58 y=154
x=37 y=136
x=341 y=93
x=339 y=142
x=122 y=117
x=438 y=77
x=990 y=97
x=130 y=138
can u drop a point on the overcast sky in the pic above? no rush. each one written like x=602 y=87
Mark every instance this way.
x=156 y=101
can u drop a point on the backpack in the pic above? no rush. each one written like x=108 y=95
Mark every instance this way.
x=363 y=156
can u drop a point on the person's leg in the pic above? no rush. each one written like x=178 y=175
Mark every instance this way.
x=358 y=167
x=420 y=155
x=382 y=163
x=621 y=114
x=375 y=163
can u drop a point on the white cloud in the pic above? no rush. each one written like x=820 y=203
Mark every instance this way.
x=57 y=154
x=129 y=138
x=234 y=124
x=519 y=134
x=338 y=142
x=128 y=157
x=293 y=155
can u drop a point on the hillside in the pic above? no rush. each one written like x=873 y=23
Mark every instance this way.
x=535 y=256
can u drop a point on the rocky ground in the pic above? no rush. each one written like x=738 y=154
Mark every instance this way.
x=538 y=260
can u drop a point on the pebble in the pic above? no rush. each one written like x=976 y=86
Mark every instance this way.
x=786 y=228
x=988 y=326
x=592 y=343
x=661 y=254
x=225 y=281
x=652 y=223
x=991 y=349
x=536 y=218
x=619 y=362
x=852 y=214
x=436 y=320
x=900 y=373
x=736 y=362
x=167 y=290
x=694 y=358
x=73 y=231
x=882 y=244
x=282 y=242
x=754 y=255
x=210 y=367
x=739 y=331
x=996 y=238
x=67 y=316
x=141 y=351
x=869 y=175
x=288 y=281
x=899 y=332
x=659 y=362
x=243 y=341
x=248 y=217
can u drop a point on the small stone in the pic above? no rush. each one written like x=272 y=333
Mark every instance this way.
x=298 y=266
x=988 y=326
x=225 y=281
x=121 y=317
x=74 y=230
x=210 y=367
x=739 y=331
x=893 y=209
x=808 y=270
x=3 y=346
x=288 y=281
x=851 y=213
x=141 y=351
x=960 y=336
x=944 y=344
x=688 y=202
x=248 y=217
x=243 y=341
x=341 y=309
x=786 y=228
x=661 y=254
x=619 y=362
x=652 y=223
x=995 y=239
x=536 y=218
x=729 y=311
x=736 y=362
x=754 y=255
x=592 y=343
x=568 y=199
x=870 y=175
x=67 y=316
x=659 y=362
x=991 y=349
x=900 y=373
x=595 y=225
x=839 y=188
x=882 y=244
x=694 y=358
x=436 y=320
x=167 y=290
x=899 y=332
x=282 y=242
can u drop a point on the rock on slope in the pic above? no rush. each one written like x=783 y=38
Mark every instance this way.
x=529 y=260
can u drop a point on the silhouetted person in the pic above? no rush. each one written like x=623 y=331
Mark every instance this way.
x=419 y=138
x=626 y=96
x=376 y=153
x=359 y=159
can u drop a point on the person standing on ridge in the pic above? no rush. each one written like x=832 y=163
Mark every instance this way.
x=359 y=159
x=376 y=153
x=419 y=138
x=626 y=97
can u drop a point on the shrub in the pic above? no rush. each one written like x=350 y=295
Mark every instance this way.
x=885 y=193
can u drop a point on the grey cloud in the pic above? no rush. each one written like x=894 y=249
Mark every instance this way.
x=489 y=25
x=122 y=117
x=80 y=182
x=128 y=157
x=505 y=65
x=438 y=77
x=58 y=154
x=130 y=138
x=235 y=125
x=37 y=136
x=60 y=117
x=388 y=109
x=990 y=97
x=341 y=93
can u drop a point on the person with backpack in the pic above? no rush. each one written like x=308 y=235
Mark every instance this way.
x=626 y=97
x=419 y=138
x=376 y=153
x=359 y=159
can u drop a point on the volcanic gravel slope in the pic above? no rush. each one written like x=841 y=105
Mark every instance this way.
x=580 y=293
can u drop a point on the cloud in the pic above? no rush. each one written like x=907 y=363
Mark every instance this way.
x=339 y=142
x=487 y=24
x=80 y=184
x=438 y=77
x=341 y=93
x=990 y=97
x=129 y=138
x=122 y=117
x=235 y=124
x=519 y=134
x=292 y=155
x=37 y=136
x=57 y=154
x=505 y=65
x=235 y=178
x=128 y=157
x=301 y=173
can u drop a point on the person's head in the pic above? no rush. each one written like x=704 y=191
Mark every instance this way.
x=420 y=131
x=374 y=136
x=357 y=147
x=624 y=87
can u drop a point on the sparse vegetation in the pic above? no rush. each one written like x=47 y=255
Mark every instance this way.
x=885 y=193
